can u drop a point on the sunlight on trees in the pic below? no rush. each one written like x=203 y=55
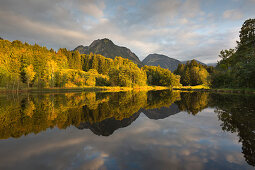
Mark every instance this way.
x=193 y=73
x=39 y=67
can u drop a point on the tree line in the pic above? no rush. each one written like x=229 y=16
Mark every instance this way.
x=24 y=65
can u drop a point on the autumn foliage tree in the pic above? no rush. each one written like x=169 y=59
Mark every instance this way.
x=30 y=74
x=193 y=73
x=158 y=76
x=22 y=64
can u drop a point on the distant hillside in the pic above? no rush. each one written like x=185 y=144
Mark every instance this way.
x=108 y=49
x=82 y=49
x=161 y=60
x=212 y=64
x=184 y=62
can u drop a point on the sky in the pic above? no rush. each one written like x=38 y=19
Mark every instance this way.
x=181 y=29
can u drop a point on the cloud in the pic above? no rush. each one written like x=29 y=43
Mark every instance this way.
x=183 y=29
x=93 y=8
x=232 y=14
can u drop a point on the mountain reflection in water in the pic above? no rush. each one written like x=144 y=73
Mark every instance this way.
x=104 y=113
x=22 y=115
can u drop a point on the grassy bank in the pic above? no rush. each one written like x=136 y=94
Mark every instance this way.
x=192 y=88
x=137 y=88
x=87 y=88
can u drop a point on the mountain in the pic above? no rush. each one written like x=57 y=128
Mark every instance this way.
x=108 y=49
x=161 y=113
x=161 y=60
x=212 y=64
x=108 y=126
x=82 y=49
x=184 y=62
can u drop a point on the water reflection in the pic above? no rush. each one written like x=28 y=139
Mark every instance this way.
x=237 y=114
x=197 y=140
x=21 y=115
x=108 y=126
x=193 y=102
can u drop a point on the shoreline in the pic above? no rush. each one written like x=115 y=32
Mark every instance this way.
x=85 y=89
x=199 y=88
x=234 y=91
x=223 y=91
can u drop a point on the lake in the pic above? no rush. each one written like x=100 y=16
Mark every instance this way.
x=127 y=130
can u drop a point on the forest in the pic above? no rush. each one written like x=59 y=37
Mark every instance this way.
x=32 y=66
x=25 y=66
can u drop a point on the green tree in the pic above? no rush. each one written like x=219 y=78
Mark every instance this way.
x=237 y=66
x=246 y=45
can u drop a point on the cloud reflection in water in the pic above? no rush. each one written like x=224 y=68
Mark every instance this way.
x=180 y=141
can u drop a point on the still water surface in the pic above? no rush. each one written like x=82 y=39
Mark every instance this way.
x=127 y=130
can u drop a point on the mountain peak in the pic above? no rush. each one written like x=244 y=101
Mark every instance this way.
x=161 y=60
x=108 y=49
x=104 y=41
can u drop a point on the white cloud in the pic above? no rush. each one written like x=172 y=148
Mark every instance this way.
x=180 y=29
x=93 y=9
x=232 y=14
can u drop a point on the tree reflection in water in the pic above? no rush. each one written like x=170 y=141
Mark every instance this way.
x=237 y=113
x=104 y=112
x=21 y=115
